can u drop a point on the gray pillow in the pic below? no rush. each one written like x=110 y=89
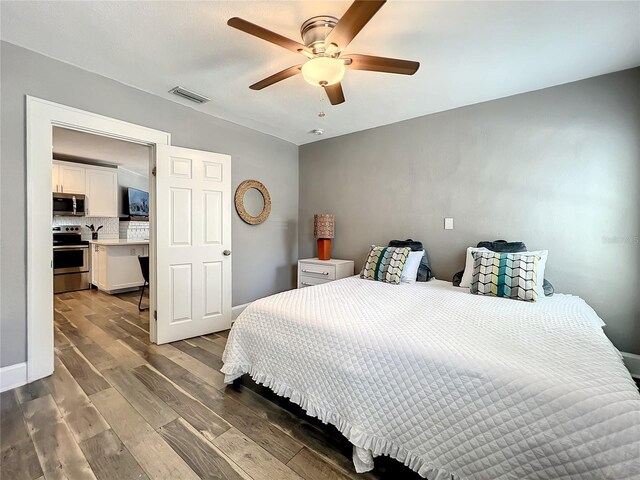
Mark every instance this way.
x=502 y=246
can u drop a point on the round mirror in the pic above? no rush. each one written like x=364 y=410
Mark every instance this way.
x=253 y=202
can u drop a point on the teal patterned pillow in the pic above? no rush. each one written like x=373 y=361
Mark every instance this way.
x=385 y=264
x=511 y=275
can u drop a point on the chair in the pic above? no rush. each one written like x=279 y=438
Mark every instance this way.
x=144 y=267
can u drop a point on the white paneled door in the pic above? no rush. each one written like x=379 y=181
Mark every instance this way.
x=193 y=256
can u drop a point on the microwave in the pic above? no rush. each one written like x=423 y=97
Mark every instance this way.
x=68 y=205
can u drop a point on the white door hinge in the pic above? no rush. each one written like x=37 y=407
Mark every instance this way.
x=153 y=171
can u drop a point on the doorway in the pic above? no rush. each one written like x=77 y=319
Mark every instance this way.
x=42 y=118
x=189 y=187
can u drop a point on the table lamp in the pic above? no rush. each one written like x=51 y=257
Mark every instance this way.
x=324 y=231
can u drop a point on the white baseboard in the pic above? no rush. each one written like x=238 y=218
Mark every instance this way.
x=13 y=376
x=236 y=311
x=632 y=362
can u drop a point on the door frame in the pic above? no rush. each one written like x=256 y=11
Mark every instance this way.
x=41 y=117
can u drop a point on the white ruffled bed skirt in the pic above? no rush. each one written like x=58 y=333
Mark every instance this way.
x=365 y=446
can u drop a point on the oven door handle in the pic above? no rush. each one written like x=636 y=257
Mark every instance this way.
x=67 y=247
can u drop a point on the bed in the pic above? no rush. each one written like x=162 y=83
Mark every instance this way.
x=451 y=384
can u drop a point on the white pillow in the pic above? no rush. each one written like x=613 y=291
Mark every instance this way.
x=465 y=282
x=542 y=263
x=410 y=270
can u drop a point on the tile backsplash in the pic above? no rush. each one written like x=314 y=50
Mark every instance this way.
x=134 y=230
x=109 y=231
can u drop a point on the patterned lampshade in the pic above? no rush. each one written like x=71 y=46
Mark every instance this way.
x=323 y=225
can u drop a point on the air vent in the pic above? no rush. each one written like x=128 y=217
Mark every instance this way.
x=189 y=95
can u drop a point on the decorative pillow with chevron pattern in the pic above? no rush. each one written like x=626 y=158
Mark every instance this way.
x=385 y=264
x=511 y=275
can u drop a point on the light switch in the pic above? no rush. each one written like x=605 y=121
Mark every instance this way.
x=448 y=223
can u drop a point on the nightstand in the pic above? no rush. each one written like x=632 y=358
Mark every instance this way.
x=312 y=271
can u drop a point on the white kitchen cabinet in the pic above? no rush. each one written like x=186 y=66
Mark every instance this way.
x=55 y=173
x=68 y=177
x=101 y=192
x=71 y=178
x=115 y=266
x=98 y=266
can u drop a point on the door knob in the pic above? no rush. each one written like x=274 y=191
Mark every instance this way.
x=226 y=253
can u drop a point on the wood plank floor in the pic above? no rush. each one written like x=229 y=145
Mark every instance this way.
x=118 y=407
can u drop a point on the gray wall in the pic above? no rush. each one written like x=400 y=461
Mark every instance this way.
x=263 y=256
x=558 y=168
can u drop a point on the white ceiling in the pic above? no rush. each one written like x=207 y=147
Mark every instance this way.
x=74 y=145
x=469 y=52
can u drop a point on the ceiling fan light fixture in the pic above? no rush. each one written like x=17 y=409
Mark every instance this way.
x=323 y=71
x=324 y=38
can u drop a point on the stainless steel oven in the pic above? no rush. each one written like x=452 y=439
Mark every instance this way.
x=68 y=205
x=70 y=260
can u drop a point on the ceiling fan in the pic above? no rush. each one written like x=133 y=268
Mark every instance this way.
x=325 y=37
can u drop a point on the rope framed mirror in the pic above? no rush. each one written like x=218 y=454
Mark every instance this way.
x=253 y=202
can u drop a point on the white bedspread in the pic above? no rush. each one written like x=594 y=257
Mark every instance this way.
x=449 y=383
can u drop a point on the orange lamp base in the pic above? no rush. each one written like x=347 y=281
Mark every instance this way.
x=324 y=249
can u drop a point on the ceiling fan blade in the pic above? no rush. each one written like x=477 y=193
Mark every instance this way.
x=276 y=77
x=381 y=64
x=268 y=35
x=335 y=93
x=354 y=19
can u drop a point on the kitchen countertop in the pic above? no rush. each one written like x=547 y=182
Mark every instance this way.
x=118 y=241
